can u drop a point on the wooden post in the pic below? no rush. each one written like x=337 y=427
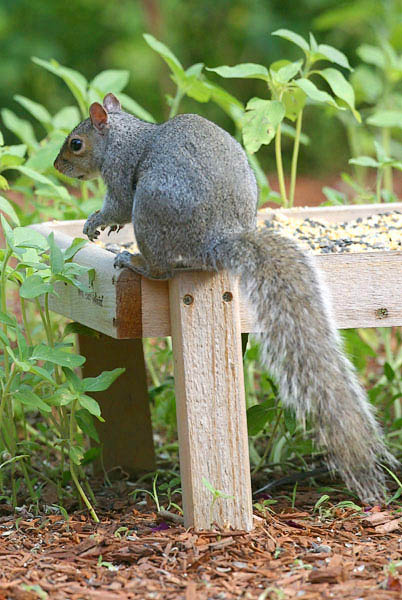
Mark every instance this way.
x=211 y=410
x=126 y=435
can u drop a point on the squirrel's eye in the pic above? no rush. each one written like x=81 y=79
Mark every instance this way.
x=76 y=144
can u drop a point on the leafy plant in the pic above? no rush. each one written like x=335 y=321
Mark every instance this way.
x=291 y=87
x=192 y=82
x=38 y=377
x=382 y=163
x=216 y=495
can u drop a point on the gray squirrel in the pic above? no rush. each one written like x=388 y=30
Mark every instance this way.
x=191 y=195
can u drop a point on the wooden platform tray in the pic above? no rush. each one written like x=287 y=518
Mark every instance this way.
x=366 y=288
x=205 y=322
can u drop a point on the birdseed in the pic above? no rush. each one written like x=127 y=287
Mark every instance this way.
x=381 y=231
x=378 y=232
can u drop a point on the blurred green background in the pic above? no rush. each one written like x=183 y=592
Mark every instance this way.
x=92 y=35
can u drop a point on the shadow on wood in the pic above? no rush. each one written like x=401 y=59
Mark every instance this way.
x=126 y=435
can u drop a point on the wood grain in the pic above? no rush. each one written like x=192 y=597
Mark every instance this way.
x=211 y=410
x=365 y=287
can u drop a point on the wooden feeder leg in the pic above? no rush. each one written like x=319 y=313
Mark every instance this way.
x=126 y=435
x=211 y=410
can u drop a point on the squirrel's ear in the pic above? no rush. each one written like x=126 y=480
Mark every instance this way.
x=98 y=116
x=111 y=103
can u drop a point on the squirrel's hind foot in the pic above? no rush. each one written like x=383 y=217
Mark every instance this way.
x=136 y=262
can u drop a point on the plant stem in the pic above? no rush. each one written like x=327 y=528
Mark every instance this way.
x=176 y=103
x=5 y=392
x=279 y=166
x=295 y=157
x=72 y=469
x=386 y=142
x=270 y=444
x=3 y=304
x=25 y=320
x=380 y=173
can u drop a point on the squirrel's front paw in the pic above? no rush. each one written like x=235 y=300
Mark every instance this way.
x=91 y=225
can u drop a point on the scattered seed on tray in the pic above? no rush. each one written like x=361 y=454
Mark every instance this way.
x=382 y=231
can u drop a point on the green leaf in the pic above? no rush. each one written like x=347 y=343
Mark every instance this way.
x=228 y=103
x=8 y=232
x=67 y=118
x=90 y=405
x=42 y=372
x=102 y=381
x=76 y=245
x=16 y=150
x=8 y=161
x=341 y=88
x=333 y=55
x=3 y=183
x=62 y=397
x=364 y=161
x=85 y=422
x=81 y=329
x=367 y=84
x=34 y=286
x=257 y=417
x=73 y=379
x=294 y=100
x=1 y=139
x=288 y=72
x=56 y=256
x=386 y=118
x=32 y=400
x=111 y=80
x=260 y=122
x=293 y=37
x=57 y=356
x=42 y=160
x=244 y=70
x=36 y=110
x=59 y=190
x=372 y=55
x=76 y=454
x=7 y=320
x=313 y=43
x=25 y=237
x=290 y=421
x=165 y=53
x=312 y=91
x=76 y=82
x=8 y=210
x=21 y=128
x=380 y=153
x=389 y=372
x=133 y=107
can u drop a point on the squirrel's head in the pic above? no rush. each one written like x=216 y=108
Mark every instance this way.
x=82 y=153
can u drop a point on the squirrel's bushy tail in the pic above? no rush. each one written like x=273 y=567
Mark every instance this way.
x=301 y=349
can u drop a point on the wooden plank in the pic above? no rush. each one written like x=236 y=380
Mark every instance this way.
x=365 y=288
x=332 y=214
x=211 y=410
x=126 y=435
x=360 y=284
x=96 y=309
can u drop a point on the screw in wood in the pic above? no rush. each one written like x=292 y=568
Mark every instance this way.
x=227 y=296
x=188 y=299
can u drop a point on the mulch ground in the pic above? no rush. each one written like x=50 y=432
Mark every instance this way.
x=134 y=554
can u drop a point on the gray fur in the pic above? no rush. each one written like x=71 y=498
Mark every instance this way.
x=193 y=199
